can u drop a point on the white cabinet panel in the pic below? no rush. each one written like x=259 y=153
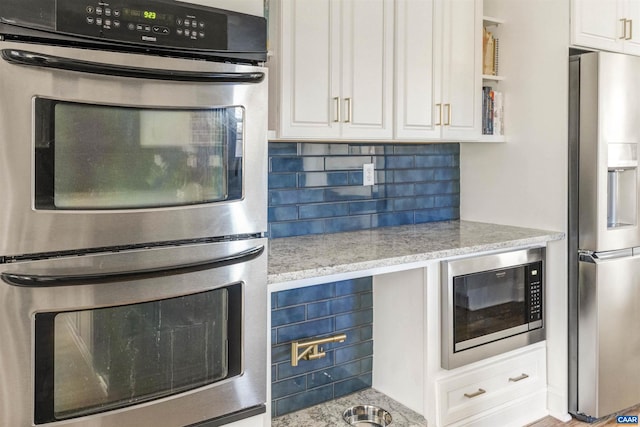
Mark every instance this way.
x=416 y=113
x=606 y=25
x=336 y=75
x=310 y=69
x=462 y=68
x=438 y=70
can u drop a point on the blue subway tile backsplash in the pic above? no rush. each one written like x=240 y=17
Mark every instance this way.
x=344 y=307
x=316 y=188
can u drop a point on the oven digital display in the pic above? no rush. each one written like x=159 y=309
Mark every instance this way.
x=137 y=15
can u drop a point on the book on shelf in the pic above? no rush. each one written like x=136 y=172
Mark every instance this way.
x=490 y=53
x=492 y=111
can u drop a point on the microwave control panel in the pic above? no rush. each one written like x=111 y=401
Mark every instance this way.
x=168 y=25
x=534 y=282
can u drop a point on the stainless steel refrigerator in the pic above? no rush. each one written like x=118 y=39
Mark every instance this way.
x=604 y=234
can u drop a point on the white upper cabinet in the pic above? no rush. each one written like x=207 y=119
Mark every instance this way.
x=606 y=25
x=461 y=64
x=407 y=70
x=438 y=69
x=334 y=63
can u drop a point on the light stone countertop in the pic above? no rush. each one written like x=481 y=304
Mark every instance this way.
x=329 y=414
x=313 y=256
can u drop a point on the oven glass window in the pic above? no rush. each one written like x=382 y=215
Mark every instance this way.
x=95 y=360
x=488 y=302
x=109 y=157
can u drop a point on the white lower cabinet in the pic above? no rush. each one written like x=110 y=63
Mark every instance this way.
x=478 y=394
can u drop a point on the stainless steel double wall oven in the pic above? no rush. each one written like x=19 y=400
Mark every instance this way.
x=133 y=214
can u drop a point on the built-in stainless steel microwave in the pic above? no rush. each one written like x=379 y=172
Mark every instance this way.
x=491 y=304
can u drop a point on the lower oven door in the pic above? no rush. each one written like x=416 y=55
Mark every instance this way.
x=169 y=336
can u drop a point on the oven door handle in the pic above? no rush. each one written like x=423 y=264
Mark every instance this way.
x=23 y=57
x=31 y=280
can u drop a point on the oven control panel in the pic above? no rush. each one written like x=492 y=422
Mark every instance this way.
x=170 y=24
x=534 y=279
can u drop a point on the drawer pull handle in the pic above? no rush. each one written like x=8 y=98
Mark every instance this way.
x=520 y=378
x=476 y=394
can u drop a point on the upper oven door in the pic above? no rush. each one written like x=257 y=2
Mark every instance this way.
x=107 y=149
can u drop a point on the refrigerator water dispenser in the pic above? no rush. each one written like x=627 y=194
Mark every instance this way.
x=622 y=188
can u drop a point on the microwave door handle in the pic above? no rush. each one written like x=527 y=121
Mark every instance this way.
x=29 y=280
x=23 y=57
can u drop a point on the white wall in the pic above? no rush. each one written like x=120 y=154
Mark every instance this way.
x=523 y=182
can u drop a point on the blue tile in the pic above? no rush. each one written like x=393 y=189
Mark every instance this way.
x=274 y=301
x=413 y=175
x=425 y=202
x=357 y=335
x=285 y=370
x=333 y=374
x=433 y=215
x=372 y=149
x=303 y=400
x=337 y=306
x=354 y=352
x=352 y=385
x=285 y=164
x=351 y=223
x=291 y=197
x=355 y=178
x=400 y=162
x=353 y=286
x=339 y=194
x=447 y=201
x=356 y=318
x=319 y=309
x=404 y=204
x=366 y=364
x=282 y=148
x=400 y=190
x=289 y=386
x=283 y=180
x=437 y=187
x=414 y=149
x=392 y=219
x=325 y=210
x=434 y=161
x=295 y=228
x=323 y=179
x=285 y=316
x=305 y=295
x=317 y=149
x=305 y=330
x=280 y=353
x=370 y=206
x=446 y=174
x=346 y=163
x=283 y=213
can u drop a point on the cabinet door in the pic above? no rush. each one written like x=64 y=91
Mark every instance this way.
x=632 y=40
x=310 y=69
x=461 y=64
x=417 y=114
x=596 y=24
x=367 y=69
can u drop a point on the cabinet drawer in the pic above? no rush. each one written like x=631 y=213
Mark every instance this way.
x=484 y=387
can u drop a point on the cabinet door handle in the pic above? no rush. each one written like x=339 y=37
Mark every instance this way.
x=630 y=29
x=624 y=29
x=349 y=110
x=448 y=123
x=518 y=378
x=439 y=114
x=336 y=100
x=476 y=394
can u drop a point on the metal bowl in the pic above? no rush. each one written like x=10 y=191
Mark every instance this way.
x=367 y=415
